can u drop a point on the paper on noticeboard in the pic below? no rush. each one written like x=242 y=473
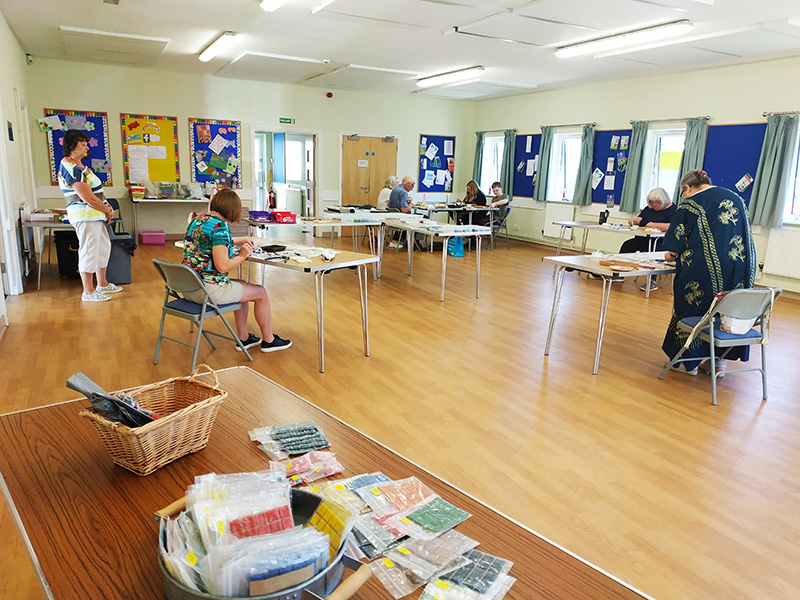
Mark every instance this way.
x=448 y=147
x=138 y=170
x=597 y=177
x=218 y=144
x=430 y=177
x=431 y=151
x=528 y=142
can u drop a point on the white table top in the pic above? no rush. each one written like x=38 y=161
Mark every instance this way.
x=637 y=231
x=439 y=229
x=586 y=263
x=169 y=200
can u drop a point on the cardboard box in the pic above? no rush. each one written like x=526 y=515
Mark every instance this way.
x=137 y=191
x=153 y=238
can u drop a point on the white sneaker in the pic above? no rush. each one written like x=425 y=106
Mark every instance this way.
x=109 y=289
x=95 y=296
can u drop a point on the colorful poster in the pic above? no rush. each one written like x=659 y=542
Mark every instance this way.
x=215 y=151
x=149 y=148
x=95 y=124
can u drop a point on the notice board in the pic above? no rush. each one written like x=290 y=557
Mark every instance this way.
x=149 y=148
x=732 y=152
x=95 y=124
x=610 y=160
x=215 y=151
x=436 y=163
x=526 y=159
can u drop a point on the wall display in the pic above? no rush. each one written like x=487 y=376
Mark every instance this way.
x=149 y=148
x=56 y=122
x=215 y=151
x=732 y=155
x=436 y=163
x=609 y=165
x=526 y=159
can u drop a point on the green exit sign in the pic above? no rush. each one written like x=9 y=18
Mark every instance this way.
x=287 y=120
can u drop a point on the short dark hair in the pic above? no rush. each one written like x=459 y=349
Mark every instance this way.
x=695 y=179
x=496 y=184
x=71 y=140
x=227 y=203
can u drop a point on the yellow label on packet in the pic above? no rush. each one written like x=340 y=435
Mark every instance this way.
x=404 y=520
x=339 y=487
x=443 y=584
x=295 y=477
x=388 y=563
x=288 y=466
x=220 y=527
x=402 y=550
x=316 y=470
x=191 y=558
x=376 y=491
x=315 y=489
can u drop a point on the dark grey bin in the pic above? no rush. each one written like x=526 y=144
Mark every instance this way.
x=119 y=263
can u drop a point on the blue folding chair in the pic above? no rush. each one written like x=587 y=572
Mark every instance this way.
x=180 y=279
x=752 y=306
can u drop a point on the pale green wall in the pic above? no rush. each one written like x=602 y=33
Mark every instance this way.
x=738 y=94
x=116 y=89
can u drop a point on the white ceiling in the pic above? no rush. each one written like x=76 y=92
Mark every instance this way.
x=385 y=45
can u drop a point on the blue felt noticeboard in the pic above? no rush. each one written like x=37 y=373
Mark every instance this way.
x=524 y=184
x=436 y=163
x=610 y=144
x=215 y=151
x=95 y=125
x=733 y=151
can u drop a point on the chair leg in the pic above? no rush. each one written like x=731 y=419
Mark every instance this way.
x=197 y=342
x=160 y=337
x=508 y=245
x=672 y=363
x=236 y=337
x=713 y=375
x=764 y=370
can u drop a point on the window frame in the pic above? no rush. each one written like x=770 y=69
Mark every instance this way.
x=557 y=170
x=791 y=207
x=493 y=149
x=651 y=179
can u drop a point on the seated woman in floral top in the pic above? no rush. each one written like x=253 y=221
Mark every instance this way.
x=209 y=250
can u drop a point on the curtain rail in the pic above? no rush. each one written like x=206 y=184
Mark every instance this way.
x=593 y=124
x=706 y=117
x=786 y=112
x=496 y=131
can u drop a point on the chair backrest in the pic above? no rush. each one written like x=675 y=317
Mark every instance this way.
x=749 y=303
x=178 y=277
x=113 y=203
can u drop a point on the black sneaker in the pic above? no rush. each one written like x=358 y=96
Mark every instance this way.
x=249 y=342
x=275 y=345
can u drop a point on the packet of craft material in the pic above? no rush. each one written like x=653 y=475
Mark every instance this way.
x=481 y=572
x=398 y=580
x=429 y=559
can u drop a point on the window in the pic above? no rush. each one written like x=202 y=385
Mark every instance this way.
x=564 y=166
x=662 y=161
x=493 y=147
x=791 y=213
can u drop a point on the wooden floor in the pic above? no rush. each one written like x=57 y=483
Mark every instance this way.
x=643 y=478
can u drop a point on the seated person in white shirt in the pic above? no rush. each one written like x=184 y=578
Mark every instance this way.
x=383 y=197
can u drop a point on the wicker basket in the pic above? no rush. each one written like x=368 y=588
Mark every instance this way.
x=187 y=409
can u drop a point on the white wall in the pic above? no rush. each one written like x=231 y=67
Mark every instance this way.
x=12 y=86
x=737 y=94
x=116 y=90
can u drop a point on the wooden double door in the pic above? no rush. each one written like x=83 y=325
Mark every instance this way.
x=366 y=164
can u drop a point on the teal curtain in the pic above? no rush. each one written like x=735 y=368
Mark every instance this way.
x=694 y=149
x=775 y=167
x=583 y=184
x=507 y=167
x=478 y=163
x=543 y=167
x=632 y=187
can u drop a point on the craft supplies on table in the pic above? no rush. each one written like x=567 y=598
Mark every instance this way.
x=312 y=466
x=281 y=441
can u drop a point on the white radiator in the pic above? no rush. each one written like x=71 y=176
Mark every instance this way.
x=783 y=252
x=557 y=211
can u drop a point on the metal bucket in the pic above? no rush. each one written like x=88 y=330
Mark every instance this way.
x=326 y=582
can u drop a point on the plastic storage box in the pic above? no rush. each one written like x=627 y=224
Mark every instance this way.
x=284 y=217
x=261 y=216
x=153 y=238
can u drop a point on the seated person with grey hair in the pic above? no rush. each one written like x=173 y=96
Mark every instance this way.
x=656 y=215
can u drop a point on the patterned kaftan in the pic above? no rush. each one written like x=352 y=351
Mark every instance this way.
x=711 y=235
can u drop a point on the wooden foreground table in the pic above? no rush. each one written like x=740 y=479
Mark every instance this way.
x=88 y=524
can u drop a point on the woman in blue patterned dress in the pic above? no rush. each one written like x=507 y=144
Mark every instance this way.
x=712 y=245
x=209 y=250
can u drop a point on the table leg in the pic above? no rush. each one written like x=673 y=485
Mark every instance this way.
x=409 y=241
x=318 y=280
x=560 y=244
x=554 y=310
x=362 y=286
x=585 y=237
x=602 y=324
x=135 y=206
x=381 y=242
x=444 y=263
x=370 y=231
x=478 y=266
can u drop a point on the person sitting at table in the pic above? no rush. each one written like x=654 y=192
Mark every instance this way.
x=711 y=242
x=656 y=215
x=499 y=198
x=474 y=197
x=209 y=250
x=399 y=198
x=383 y=197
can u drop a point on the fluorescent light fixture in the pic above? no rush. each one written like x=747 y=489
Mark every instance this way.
x=628 y=38
x=272 y=5
x=218 y=46
x=321 y=5
x=452 y=77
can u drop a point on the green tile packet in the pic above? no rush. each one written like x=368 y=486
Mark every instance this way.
x=438 y=516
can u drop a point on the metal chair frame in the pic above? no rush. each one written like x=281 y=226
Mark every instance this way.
x=750 y=303
x=501 y=223
x=180 y=279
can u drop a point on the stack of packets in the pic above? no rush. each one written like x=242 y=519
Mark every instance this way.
x=281 y=441
x=238 y=536
x=408 y=528
x=311 y=466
